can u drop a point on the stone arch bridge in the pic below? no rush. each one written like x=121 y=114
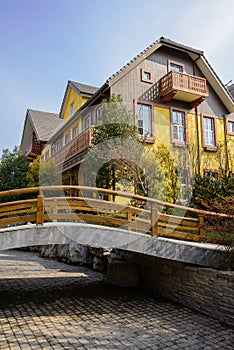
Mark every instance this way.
x=109 y=219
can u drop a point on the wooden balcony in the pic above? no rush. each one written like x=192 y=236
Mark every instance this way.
x=73 y=148
x=33 y=150
x=183 y=87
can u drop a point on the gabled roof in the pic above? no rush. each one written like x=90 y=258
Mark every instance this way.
x=196 y=55
x=81 y=89
x=43 y=123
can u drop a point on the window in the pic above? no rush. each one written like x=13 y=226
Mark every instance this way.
x=178 y=126
x=208 y=125
x=47 y=156
x=52 y=149
x=58 y=145
x=74 y=132
x=87 y=122
x=144 y=120
x=72 y=109
x=67 y=138
x=99 y=112
x=175 y=66
x=230 y=127
x=146 y=76
x=183 y=176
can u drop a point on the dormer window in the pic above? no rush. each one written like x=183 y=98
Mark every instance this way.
x=72 y=109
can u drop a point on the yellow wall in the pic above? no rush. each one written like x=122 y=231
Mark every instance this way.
x=162 y=125
x=72 y=96
x=210 y=160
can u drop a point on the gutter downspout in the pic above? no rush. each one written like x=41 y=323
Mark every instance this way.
x=225 y=145
x=197 y=128
x=198 y=144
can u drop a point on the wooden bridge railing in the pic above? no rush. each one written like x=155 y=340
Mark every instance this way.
x=83 y=204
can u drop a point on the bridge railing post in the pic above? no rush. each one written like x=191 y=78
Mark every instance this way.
x=129 y=218
x=40 y=209
x=201 y=221
x=154 y=220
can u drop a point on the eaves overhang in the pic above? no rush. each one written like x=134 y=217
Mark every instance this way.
x=216 y=83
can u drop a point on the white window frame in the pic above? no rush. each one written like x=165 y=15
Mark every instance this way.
x=87 y=121
x=209 y=131
x=230 y=127
x=72 y=108
x=99 y=112
x=144 y=120
x=183 y=175
x=178 y=126
x=75 y=132
x=67 y=137
x=53 y=149
x=47 y=155
x=58 y=145
x=175 y=66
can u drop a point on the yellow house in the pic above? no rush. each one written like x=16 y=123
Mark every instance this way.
x=178 y=102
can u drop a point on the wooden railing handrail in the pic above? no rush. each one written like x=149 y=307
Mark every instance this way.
x=169 y=81
x=43 y=189
x=147 y=218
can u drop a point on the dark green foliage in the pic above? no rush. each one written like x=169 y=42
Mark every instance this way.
x=210 y=189
x=217 y=195
x=13 y=170
x=32 y=176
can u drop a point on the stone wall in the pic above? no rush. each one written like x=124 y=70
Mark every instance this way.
x=204 y=289
x=74 y=253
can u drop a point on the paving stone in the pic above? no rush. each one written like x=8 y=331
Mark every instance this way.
x=45 y=304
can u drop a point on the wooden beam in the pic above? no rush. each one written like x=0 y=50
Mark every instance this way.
x=169 y=96
x=197 y=102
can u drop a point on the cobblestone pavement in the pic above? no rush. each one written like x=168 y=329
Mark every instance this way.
x=45 y=304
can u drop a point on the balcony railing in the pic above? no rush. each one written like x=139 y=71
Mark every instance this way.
x=182 y=86
x=33 y=149
x=73 y=148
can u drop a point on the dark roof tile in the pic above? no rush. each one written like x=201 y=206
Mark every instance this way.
x=83 y=88
x=45 y=123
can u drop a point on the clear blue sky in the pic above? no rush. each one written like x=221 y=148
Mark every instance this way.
x=44 y=43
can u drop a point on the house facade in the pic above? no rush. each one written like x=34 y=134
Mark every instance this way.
x=178 y=101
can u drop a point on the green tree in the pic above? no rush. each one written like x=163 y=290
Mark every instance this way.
x=168 y=164
x=49 y=174
x=114 y=156
x=43 y=174
x=32 y=176
x=13 y=169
